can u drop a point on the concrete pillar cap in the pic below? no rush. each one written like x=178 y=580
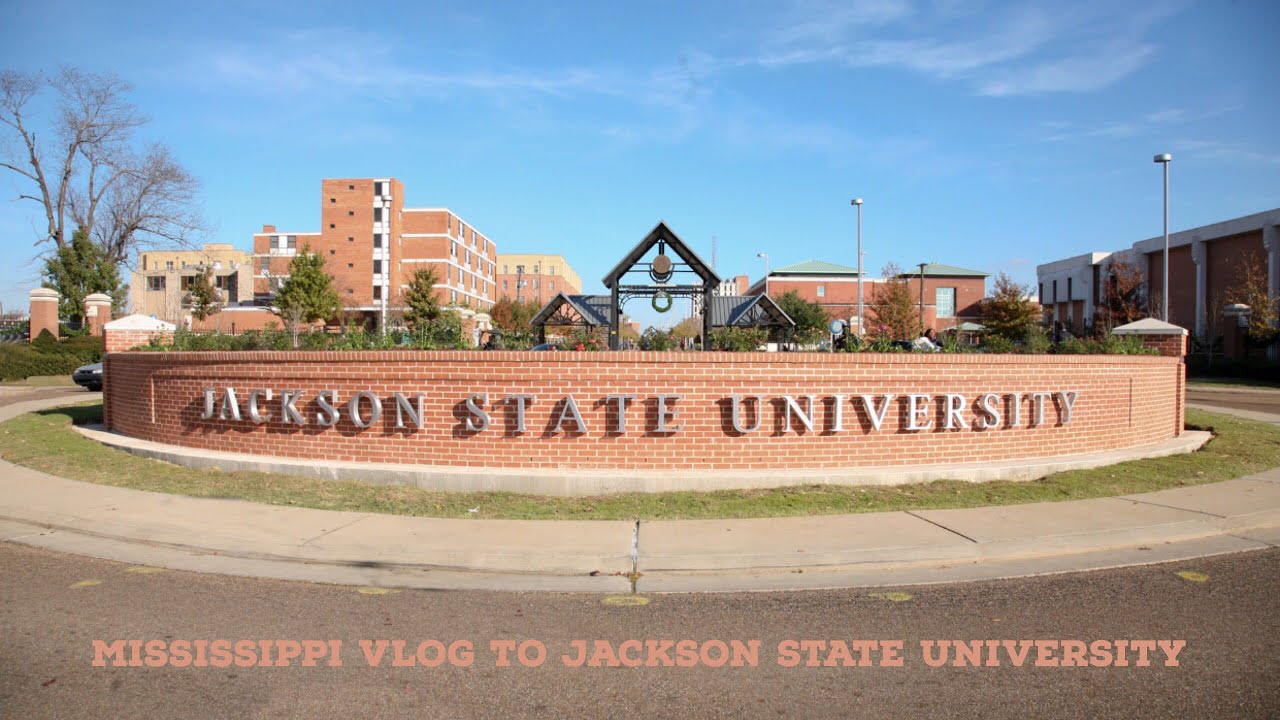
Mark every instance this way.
x=98 y=298
x=43 y=294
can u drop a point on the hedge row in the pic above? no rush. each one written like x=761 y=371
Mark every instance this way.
x=46 y=356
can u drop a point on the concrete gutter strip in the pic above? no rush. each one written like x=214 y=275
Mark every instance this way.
x=608 y=482
x=243 y=538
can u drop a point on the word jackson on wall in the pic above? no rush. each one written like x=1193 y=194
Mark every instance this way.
x=828 y=413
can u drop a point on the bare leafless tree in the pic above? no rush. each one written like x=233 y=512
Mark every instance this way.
x=83 y=167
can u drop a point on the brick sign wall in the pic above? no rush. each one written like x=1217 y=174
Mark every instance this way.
x=930 y=409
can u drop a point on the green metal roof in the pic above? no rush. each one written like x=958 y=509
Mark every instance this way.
x=940 y=270
x=815 y=267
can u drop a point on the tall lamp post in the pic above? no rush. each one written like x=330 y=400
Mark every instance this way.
x=766 y=272
x=922 y=297
x=857 y=202
x=1164 y=159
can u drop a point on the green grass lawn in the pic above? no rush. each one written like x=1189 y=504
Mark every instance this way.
x=45 y=441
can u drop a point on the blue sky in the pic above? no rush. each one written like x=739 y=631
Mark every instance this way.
x=987 y=135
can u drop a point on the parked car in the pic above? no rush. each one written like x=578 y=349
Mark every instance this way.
x=89 y=376
x=545 y=347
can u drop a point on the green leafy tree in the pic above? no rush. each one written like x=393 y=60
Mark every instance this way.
x=422 y=307
x=1008 y=313
x=738 y=339
x=78 y=270
x=896 y=313
x=203 y=297
x=811 y=318
x=657 y=339
x=307 y=295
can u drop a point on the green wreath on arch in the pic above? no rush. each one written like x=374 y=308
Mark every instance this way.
x=660 y=295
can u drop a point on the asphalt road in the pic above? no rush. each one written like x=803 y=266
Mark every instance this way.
x=53 y=606
x=1236 y=399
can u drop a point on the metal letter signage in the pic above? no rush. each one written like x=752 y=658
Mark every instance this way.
x=794 y=414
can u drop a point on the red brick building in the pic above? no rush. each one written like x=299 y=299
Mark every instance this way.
x=372 y=246
x=1204 y=262
x=952 y=295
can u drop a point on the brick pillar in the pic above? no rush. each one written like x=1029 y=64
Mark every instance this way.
x=44 y=312
x=1171 y=341
x=97 y=312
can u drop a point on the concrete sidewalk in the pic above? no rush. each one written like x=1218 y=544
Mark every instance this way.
x=893 y=548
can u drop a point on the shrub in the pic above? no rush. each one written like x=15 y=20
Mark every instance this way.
x=736 y=339
x=997 y=344
x=47 y=356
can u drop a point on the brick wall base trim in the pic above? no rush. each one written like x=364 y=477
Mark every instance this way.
x=610 y=482
x=1120 y=402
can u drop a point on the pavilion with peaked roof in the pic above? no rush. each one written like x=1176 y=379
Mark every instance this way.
x=660 y=266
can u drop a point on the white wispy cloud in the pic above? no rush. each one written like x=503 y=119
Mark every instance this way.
x=1155 y=121
x=1225 y=151
x=1022 y=49
x=322 y=60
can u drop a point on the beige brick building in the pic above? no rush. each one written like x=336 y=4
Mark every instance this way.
x=158 y=286
x=536 y=277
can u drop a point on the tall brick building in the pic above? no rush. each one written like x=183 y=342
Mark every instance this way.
x=372 y=246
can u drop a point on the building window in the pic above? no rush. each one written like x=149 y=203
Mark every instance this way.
x=551 y=285
x=377 y=292
x=156 y=282
x=351 y=213
x=351 y=187
x=377 y=240
x=332 y=251
x=1041 y=294
x=1055 y=291
x=377 y=215
x=504 y=285
x=377 y=189
x=945 y=302
x=377 y=267
x=168 y=265
x=505 y=271
x=453 y=296
x=519 y=269
x=552 y=271
x=333 y=200
x=822 y=291
x=1069 y=295
x=350 y=265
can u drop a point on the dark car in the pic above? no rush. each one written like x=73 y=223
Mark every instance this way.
x=544 y=347
x=89 y=376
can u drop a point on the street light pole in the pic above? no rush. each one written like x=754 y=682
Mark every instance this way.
x=858 y=203
x=1164 y=159
x=922 y=297
x=766 y=272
